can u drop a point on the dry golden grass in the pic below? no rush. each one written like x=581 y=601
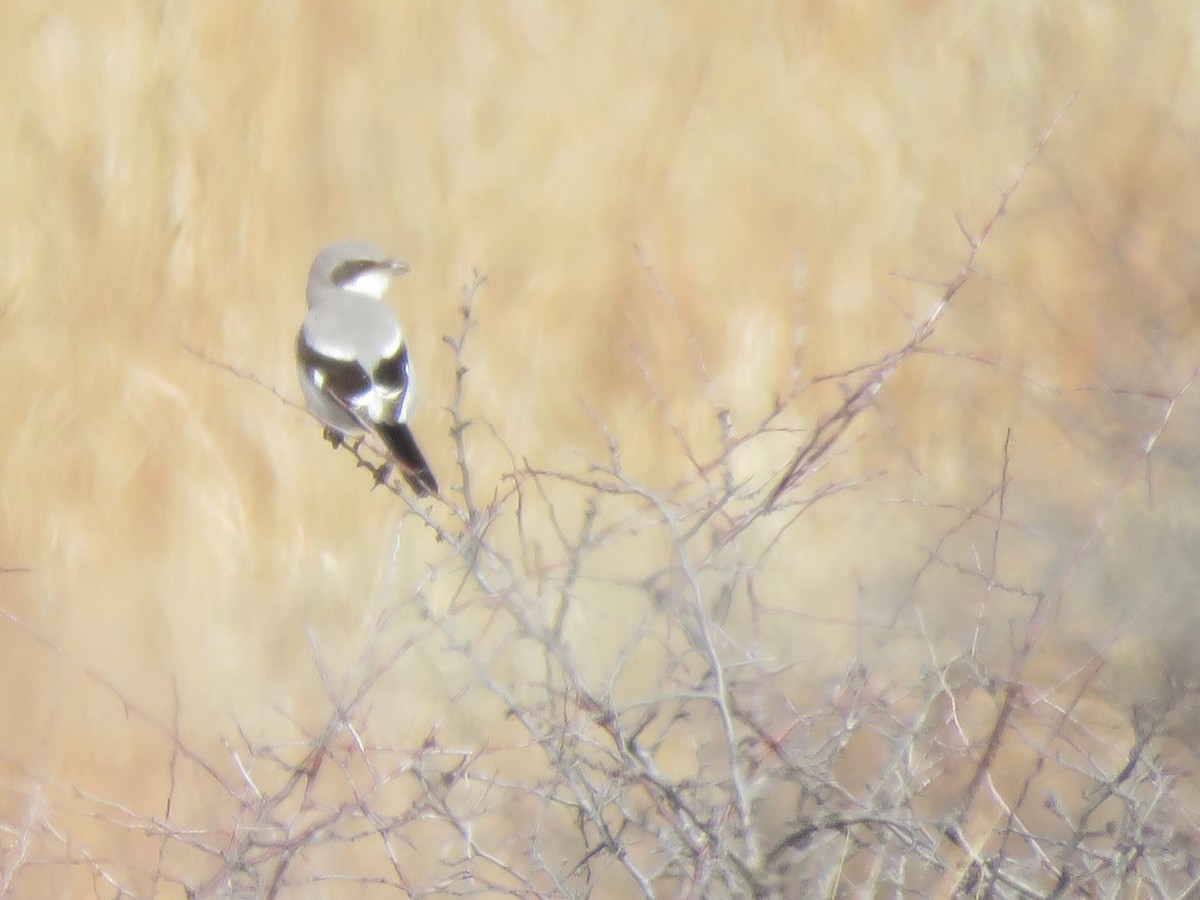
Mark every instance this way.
x=771 y=188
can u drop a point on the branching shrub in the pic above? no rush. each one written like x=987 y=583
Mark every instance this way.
x=650 y=723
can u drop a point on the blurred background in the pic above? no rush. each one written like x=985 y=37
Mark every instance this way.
x=777 y=189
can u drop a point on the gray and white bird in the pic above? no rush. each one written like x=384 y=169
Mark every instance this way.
x=351 y=357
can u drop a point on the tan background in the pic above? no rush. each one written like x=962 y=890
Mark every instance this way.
x=789 y=173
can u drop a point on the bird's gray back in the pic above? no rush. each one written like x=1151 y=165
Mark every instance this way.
x=350 y=326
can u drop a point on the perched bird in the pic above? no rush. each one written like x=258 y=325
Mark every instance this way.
x=351 y=356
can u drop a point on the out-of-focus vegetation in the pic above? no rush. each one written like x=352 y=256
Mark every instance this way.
x=934 y=261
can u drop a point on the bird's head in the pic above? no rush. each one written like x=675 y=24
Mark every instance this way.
x=353 y=266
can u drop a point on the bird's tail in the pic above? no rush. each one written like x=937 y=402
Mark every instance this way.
x=407 y=455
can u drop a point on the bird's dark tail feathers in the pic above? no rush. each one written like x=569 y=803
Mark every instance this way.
x=407 y=456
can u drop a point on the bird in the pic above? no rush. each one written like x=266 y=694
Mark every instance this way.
x=352 y=360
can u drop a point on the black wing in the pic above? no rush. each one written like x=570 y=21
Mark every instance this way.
x=344 y=380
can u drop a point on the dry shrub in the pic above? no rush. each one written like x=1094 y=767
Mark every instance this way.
x=819 y=512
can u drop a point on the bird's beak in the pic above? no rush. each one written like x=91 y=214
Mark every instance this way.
x=398 y=267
